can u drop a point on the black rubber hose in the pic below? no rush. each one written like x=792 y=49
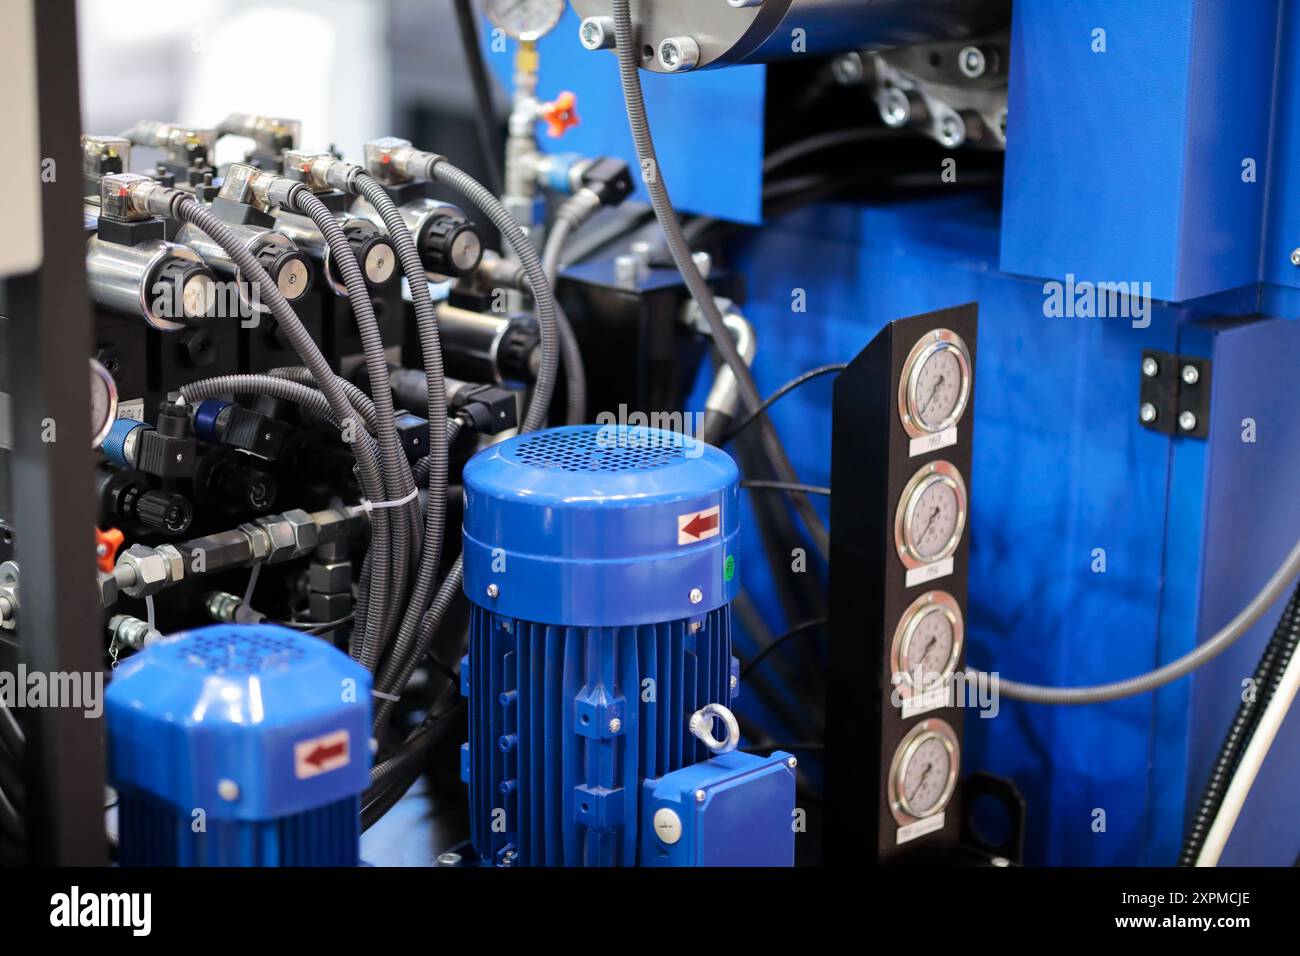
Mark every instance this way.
x=188 y=209
x=485 y=115
x=396 y=470
x=12 y=734
x=1272 y=664
x=652 y=176
x=11 y=780
x=436 y=385
x=11 y=821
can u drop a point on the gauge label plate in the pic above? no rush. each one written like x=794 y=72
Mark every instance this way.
x=927 y=443
x=929 y=572
x=132 y=409
x=921 y=827
x=932 y=699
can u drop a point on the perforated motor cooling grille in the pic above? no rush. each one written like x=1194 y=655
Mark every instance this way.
x=245 y=653
x=588 y=451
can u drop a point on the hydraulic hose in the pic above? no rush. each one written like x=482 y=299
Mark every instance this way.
x=188 y=209
x=652 y=176
x=1272 y=663
x=573 y=212
x=436 y=384
x=1216 y=645
x=282 y=387
x=396 y=470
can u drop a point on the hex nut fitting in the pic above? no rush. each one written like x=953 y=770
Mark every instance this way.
x=149 y=570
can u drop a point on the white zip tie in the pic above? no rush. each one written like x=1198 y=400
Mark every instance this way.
x=368 y=506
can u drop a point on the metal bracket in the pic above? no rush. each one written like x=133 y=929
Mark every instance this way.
x=1175 y=394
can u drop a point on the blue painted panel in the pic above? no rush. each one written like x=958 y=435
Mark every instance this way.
x=1283 y=174
x=708 y=126
x=1127 y=164
x=1252 y=519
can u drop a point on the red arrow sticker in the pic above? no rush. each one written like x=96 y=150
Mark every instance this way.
x=319 y=755
x=699 y=525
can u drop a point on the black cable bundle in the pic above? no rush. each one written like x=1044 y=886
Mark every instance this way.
x=13 y=795
x=1272 y=665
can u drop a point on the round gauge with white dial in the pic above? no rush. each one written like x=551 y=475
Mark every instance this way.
x=103 y=403
x=935 y=386
x=927 y=643
x=923 y=773
x=526 y=19
x=931 y=515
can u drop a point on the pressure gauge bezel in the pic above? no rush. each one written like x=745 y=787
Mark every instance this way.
x=101 y=375
x=929 y=345
x=931 y=729
x=937 y=472
x=932 y=602
x=527 y=36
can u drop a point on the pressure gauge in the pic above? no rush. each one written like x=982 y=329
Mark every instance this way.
x=931 y=515
x=927 y=643
x=103 y=403
x=935 y=385
x=923 y=773
x=526 y=19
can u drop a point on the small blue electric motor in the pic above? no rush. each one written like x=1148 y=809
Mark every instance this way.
x=600 y=564
x=239 y=745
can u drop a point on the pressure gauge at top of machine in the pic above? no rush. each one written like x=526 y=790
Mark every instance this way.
x=935 y=385
x=103 y=403
x=931 y=515
x=526 y=19
x=927 y=643
x=923 y=773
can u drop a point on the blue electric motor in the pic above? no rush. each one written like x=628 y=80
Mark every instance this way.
x=600 y=564
x=239 y=746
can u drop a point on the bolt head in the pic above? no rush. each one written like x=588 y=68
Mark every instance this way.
x=493 y=591
x=1187 y=421
x=792 y=763
x=228 y=790
x=1191 y=374
x=1147 y=412
x=1295 y=257
x=735 y=682
x=895 y=108
x=615 y=725
x=700 y=796
x=696 y=595
x=1150 y=367
x=973 y=62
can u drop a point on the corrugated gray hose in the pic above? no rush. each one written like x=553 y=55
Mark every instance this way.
x=571 y=214
x=188 y=209
x=405 y=656
x=436 y=384
x=652 y=176
x=1231 y=632
x=381 y=616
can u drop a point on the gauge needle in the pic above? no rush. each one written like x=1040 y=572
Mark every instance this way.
x=927 y=649
x=929 y=524
x=933 y=392
x=921 y=781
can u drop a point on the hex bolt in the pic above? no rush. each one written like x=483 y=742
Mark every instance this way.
x=493 y=591
x=627 y=270
x=1147 y=412
x=679 y=54
x=1150 y=367
x=1191 y=374
x=696 y=595
x=1187 y=421
x=597 y=33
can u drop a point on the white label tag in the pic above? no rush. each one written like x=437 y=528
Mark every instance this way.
x=919 y=446
x=932 y=699
x=133 y=409
x=929 y=572
x=699 y=525
x=319 y=755
x=920 y=828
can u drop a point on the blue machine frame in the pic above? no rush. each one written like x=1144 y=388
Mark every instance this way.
x=1162 y=149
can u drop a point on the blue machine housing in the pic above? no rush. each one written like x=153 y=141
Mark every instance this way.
x=599 y=560
x=239 y=745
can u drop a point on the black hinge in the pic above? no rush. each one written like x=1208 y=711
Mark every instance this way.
x=1175 y=395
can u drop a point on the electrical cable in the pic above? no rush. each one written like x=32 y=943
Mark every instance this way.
x=763 y=485
x=1270 y=722
x=488 y=133
x=11 y=734
x=1224 y=638
x=652 y=176
x=11 y=820
x=1277 y=654
x=779 y=394
x=795 y=631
